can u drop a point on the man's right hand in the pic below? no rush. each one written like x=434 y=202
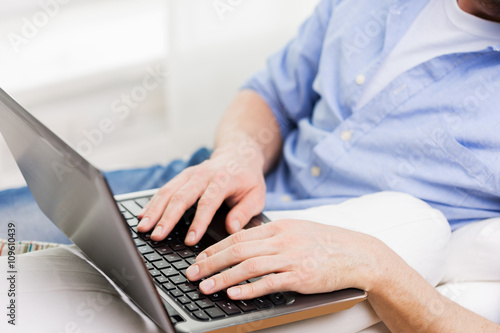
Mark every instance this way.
x=232 y=174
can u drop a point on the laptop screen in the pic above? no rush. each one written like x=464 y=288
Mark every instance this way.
x=75 y=196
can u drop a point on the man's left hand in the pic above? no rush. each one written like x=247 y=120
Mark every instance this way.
x=305 y=257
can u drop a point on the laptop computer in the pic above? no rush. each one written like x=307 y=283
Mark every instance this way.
x=75 y=196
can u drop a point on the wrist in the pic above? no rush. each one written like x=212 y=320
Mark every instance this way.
x=242 y=149
x=383 y=270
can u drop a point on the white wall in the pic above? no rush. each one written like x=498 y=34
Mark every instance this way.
x=78 y=67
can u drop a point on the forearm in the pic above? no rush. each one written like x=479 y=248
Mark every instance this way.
x=249 y=128
x=407 y=303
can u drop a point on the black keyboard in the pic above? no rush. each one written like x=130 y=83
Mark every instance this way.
x=167 y=262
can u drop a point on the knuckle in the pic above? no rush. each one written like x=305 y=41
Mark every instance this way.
x=163 y=193
x=250 y=288
x=237 y=237
x=251 y=266
x=204 y=202
x=271 y=282
x=224 y=278
x=237 y=251
x=178 y=199
x=211 y=250
x=292 y=280
x=275 y=226
x=208 y=264
x=202 y=170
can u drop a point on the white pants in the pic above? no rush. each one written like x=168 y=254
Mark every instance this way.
x=58 y=291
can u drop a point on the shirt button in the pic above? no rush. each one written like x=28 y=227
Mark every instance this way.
x=346 y=135
x=286 y=198
x=315 y=171
x=360 y=79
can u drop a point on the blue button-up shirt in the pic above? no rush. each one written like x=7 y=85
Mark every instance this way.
x=433 y=132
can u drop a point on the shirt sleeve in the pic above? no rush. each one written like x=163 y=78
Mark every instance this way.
x=286 y=84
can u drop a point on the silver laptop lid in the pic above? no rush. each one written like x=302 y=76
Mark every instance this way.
x=75 y=196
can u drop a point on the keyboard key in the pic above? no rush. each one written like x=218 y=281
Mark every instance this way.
x=168 y=286
x=156 y=244
x=169 y=272
x=187 y=287
x=153 y=257
x=161 y=264
x=215 y=313
x=145 y=250
x=196 y=295
x=146 y=236
x=216 y=297
x=191 y=307
x=132 y=207
x=161 y=279
x=139 y=242
x=263 y=303
x=127 y=215
x=186 y=253
x=277 y=298
x=142 y=201
x=177 y=245
x=245 y=306
x=149 y=265
x=178 y=279
x=228 y=307
x=197 y=248
x=183 y=300
x=180 y=265
x=133 y=222
x=176 y=293
x=200 y=315
x=154 y=272
x=172 y=257
x=164 y=249
x=191 y=261
x=205 y=303
x=122 y=209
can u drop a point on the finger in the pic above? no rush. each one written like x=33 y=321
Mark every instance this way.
x=251 y=268
x=208 y=204
x=179 y=203
x=156 y=206
x=230 y=256
x=268 y=284
x=252 y=204
x=253 y=234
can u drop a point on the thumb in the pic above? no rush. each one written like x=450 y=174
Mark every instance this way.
x=252 y=204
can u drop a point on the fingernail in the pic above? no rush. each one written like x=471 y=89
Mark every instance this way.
x=236 y=225
x=190 y=237
x=192 y=271
x=157 y=232
x=143 y=222
x=201 y=257
x=207 y=285
x=234 y=291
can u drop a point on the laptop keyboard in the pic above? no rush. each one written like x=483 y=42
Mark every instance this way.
x=167 y=262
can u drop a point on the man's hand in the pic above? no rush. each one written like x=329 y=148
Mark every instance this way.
x=248 y=143
x=306 y=257
x=234 y=175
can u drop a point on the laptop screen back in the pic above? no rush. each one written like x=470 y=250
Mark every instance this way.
x=75 y=196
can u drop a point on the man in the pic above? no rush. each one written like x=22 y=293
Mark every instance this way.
x=370 y=96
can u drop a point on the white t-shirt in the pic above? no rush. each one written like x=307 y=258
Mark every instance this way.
x=441 y=28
